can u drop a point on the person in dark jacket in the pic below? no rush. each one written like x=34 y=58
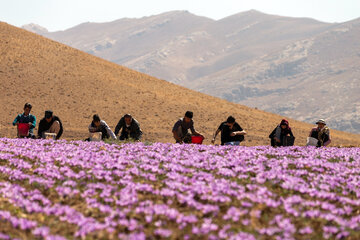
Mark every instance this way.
x=130 y=128
x=282 y=135
x=27 y=118
x=231 y=132
x=98 y=125
x=322 y=133
x=50 y=124
x=181 y=127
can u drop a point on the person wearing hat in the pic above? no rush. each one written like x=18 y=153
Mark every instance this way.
x=181 y=127
x=130 y=128
x=27 y=118
x=50 y=124
x=322 y=133
x=282 y=135
x=231 y=132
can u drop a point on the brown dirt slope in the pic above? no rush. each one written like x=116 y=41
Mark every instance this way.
x=75 y=85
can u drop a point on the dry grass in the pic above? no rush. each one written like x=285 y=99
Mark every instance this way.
x=75 y=85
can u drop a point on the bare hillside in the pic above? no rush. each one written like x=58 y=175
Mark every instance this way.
x=297 y=67
x=75 y=85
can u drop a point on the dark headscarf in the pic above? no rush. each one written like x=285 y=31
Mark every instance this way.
x=287 y=129
x=285 y=122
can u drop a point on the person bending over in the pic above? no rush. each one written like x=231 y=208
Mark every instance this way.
x=26 y=118
x=50 y=124
x=322 y=133
x=130 y=128
x=231 y=132
x=181 y=127
x=98 y=125
x=282 y=135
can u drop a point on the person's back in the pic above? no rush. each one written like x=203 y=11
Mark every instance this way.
x=135 y=130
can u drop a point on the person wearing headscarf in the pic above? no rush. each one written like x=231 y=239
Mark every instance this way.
x=280 y=135
x=321 y=133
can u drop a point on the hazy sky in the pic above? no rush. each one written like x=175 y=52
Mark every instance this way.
x=63 y=14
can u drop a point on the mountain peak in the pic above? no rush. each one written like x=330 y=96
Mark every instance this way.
x=178 y=14
x=250 y=14
x=35 y=28
x=253 y=11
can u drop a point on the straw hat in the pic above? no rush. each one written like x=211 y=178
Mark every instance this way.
x=321 y=121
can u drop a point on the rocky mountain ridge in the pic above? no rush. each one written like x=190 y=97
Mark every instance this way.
x=297 y=67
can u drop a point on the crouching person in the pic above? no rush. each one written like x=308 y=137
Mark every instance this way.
x=321 y=133
x=231 y=132
x=282 y=135
x=50 y=124
x=25 y=122
x=181 y=127
x=98 y=125
x=130 y=128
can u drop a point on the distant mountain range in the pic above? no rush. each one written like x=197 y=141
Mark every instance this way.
x=35 y=28
x=297 y=67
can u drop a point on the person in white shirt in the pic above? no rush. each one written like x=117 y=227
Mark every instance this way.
x=98 y=125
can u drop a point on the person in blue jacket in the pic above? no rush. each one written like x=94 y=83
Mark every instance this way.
x=28 y=118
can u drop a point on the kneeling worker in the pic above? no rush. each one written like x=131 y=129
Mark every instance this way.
x=26 y=118
x=130 y=128
x=180 y=129
x=282 y=135
x=50 y=124
x=98 y=125
x=322 y=133
x=231 y=132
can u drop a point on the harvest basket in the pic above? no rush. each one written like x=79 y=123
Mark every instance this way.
x=197 y=139
x=23 y=129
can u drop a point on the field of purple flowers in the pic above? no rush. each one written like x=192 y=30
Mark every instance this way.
x=81 y=190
